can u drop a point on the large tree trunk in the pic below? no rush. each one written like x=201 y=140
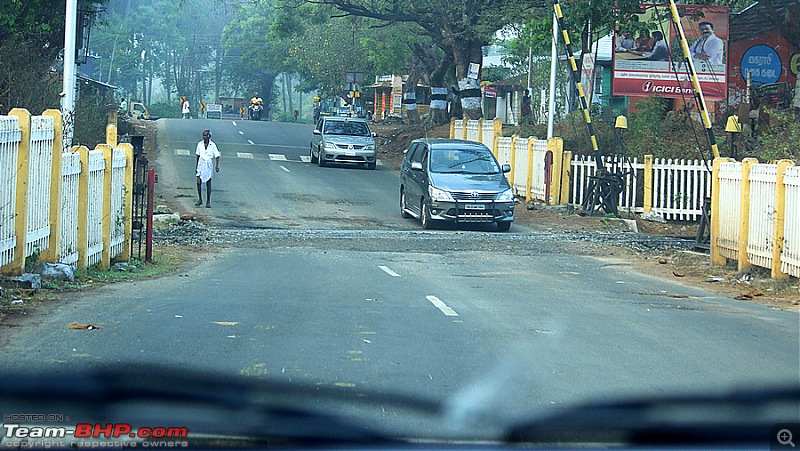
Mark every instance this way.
x=469 y=90
x=410 y=93
x=439 y=91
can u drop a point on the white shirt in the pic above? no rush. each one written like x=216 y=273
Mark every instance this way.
x=711 y=46
x=207 y=153
x=185 y=107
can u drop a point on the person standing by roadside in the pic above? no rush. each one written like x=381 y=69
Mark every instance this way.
x=207 y=153
x=185 y=108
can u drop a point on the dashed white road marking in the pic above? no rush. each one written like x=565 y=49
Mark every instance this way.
x=244 y=155
x=305 y=158
x=389 y=271
x=182 y=152
x=241 y=132
x=234 y=123
x=284 y=168
x=442 y=306
x=251 y=142
x=277 y=157
x=379 y=162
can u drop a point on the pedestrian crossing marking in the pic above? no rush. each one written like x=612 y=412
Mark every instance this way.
x=181 y=151
x=305 y=158
x=244 y=155
x=277 y=157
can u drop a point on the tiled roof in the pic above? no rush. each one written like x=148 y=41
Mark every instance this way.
x=754 y=21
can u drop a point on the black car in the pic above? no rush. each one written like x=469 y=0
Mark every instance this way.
x=455 y=181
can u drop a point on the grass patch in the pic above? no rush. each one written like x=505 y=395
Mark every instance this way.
x=165 y=260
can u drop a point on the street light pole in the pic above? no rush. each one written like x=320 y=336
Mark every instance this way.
x=68 y=88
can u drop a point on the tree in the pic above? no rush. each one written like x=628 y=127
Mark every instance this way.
x=460 y=28
x=31 y=40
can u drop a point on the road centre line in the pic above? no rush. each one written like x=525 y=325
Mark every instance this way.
x=442 y=306
x=389 y=271
x=284 y=168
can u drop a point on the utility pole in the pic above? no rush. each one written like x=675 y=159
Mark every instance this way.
x=68 y=87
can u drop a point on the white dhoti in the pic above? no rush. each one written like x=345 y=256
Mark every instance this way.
x=205 y=169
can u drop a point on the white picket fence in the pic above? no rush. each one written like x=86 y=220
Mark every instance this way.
x=10 y=136
x=583 y=167
x=763 y=185
x=680 y=187
x=39 y=174
x=94 y=224
x=790 y=258
x=760 y=231
x=40 y=170
x=730 y=186
x=70 y=177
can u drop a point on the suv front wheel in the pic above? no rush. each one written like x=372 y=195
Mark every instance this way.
x=311 y=153
x=425 y=216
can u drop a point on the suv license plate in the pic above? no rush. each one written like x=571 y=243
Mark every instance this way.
x=350 y=154
x=475 y=207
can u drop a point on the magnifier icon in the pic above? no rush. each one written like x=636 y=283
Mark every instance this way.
x=785 y=437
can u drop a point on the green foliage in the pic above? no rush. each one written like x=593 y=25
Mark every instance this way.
x=91 y=117
x=165 y=109
x=778 y=140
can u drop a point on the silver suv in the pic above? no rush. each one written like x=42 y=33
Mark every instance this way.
x=343 y=140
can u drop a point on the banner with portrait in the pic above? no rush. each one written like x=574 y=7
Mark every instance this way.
x=648 y=59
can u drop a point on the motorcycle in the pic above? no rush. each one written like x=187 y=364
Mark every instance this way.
x=255 y=112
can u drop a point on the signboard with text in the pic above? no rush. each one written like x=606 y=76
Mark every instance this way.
x=655 y=65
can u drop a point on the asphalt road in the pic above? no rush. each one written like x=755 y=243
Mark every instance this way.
x=498 y=328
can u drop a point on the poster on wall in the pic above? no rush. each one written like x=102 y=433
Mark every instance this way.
x=648 y=59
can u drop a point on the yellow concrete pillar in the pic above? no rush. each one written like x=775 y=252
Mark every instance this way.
x=51 y=253
x=648 y=183
x=716 y=258
x=464 y=130
x=744 y=213
x=105 y=258
x=83 y=207
x=480 y=130
x=111 y=135
x=452 y=128
x=556 y=146
x=780 y=218
x=496 y=146
x=127 y=205
x=17 y=265
x=498 y=126
x=566 y=172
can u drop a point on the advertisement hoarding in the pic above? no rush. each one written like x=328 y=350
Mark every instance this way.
x=654 y=64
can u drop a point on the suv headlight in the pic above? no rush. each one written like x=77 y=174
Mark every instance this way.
x=439 y=195
x=330 y=146
x=505 y=196
x=369 y=147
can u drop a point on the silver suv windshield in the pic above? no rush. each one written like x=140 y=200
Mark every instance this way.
x=463 y=161
x=350 y=128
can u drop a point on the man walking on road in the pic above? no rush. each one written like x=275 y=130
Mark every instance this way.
x=207 y=153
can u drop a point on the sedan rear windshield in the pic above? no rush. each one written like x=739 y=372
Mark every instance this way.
x=346 y=128
x=463 y=161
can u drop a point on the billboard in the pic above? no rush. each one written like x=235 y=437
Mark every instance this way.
x=648 y=59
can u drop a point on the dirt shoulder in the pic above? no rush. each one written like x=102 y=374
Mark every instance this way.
x=689 y=268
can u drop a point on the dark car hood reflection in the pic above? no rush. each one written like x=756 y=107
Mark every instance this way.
x=469 y=182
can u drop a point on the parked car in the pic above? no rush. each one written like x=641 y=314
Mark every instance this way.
x=343 y=140
x=455 y=181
